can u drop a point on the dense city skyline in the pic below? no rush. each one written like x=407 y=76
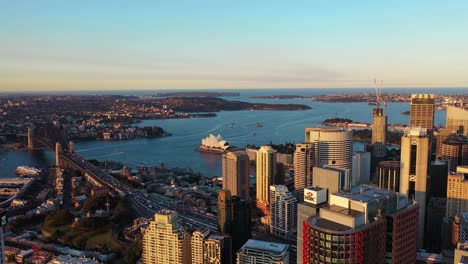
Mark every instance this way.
x=157 y=45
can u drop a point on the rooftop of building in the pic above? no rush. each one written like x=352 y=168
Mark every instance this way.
x=343 y=210
x=416 y=131
x=455 y=139
x=271 y=247
x=314 y=188
x=324 y=129
x=365 y=193
x=390 y=163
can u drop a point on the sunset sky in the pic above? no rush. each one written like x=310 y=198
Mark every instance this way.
x=96 y=45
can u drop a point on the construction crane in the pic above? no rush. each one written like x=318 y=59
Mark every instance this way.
x=378 y=100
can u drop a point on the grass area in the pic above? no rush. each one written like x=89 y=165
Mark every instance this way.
x=102 y=238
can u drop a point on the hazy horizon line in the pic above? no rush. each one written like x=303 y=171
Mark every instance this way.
x=220 y=89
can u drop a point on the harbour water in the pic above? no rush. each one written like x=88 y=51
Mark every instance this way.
x=178 y=150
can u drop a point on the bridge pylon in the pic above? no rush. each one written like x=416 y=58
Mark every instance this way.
x=58 y=151
x=71 y=146
x=30 y=139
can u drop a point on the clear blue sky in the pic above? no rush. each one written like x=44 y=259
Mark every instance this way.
x=60 y=45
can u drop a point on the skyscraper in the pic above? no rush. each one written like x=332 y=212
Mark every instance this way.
x=457 y=192
x=165 y=240
x=363 y=225
x=303 y=165
x=266 y=171
x=361 y=168
x=234 y=218
x=283 y=207
x=314 y=199
x=414 y=167
x=457 y=120
x=257 y=251
x=236 y=172
x=454 y=149
x=333 y=147
x=217 y=250
x=422 y=111
x=379 y=132
x=388 y=173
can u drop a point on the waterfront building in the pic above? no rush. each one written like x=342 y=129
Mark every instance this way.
x=198 y=246
x=422 y=111
x=283 y=212
x=457 y=120
x=314 y=198
x=266 y=172
x=379 y=226
x=263 y=252
x=217 y=250
x=360 y=168
x=236 y=173
x=414 y=166
x=457 y=192
x=333 y=147
x=379 y=132
x=234 y=218
x=165 y=240
x=303 y=166
x=454 y=149
x=388 y=173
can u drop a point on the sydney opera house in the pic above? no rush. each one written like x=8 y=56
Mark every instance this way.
x=214 y=143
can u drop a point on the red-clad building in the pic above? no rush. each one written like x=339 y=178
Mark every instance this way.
x=402 y=235
x=362 y=225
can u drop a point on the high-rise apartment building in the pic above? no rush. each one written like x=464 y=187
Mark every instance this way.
x=360 y=173
x=457 y=120
x=166 y=241
x=379 y=132
x=3 y=221
x=263 y=252
x=217 y=250
x=388 y=173
x=236 y=172
x=266 y=172
x=414 y=166
x=333 y=147
x=283 y=208
x=303 y=165
x=363 y=225
x=234 y=218
x=422 y=111
x=198 y=246
x=454 y=149
x=457 y=192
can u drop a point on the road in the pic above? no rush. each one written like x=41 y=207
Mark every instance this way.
x=144 y=205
